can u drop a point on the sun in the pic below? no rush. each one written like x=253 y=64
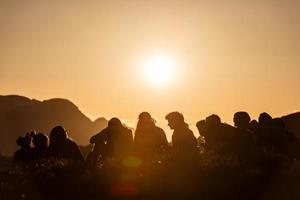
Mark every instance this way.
x=159 y=70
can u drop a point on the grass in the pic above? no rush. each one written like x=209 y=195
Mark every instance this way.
x=210 y=176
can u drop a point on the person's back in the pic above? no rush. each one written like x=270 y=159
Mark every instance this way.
x=115 y=141
x=243 y=143
x=62 y=147
x=227 y=138
x=72 y=151
x=218 y=134
x=213 y=132
x=150 y=140
x=119 y=142
x=184 y=141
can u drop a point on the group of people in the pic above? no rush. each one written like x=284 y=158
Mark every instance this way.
x=149 y=144
x=116 y=143
x=36 y=146
x=248 y=138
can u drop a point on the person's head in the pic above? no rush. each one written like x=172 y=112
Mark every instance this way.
x=23 y=142
x=114 y=123
x=175 y=120
x=58 y=134
x=213 y=121
x=253 y=123
x=40 y=140
x=145 y=119
x=264 y=118
x=201 y=126
x=241 y=119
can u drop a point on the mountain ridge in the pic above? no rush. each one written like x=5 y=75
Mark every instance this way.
x=19 y=114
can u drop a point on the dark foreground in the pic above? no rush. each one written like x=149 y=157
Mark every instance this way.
x=208 y=177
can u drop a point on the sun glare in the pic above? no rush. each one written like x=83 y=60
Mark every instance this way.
x=159 y=70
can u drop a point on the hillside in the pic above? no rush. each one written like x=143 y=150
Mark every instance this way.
x=19 y=114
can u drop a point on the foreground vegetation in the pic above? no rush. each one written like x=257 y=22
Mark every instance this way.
x=210 y=176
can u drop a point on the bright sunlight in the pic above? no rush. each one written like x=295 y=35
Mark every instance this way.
x=159 y=70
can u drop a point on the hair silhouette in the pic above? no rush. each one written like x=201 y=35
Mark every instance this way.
x=176 y=120
x=150 y=141
x=62 y=147
x=264 y=118
x=184 y=143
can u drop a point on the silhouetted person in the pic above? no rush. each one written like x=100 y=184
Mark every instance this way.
x=264 y=118
x=62 y=147
x=184 y=143
x=113 y=142
x=214 y=132
x=24 y=154
x=242 y=120
x=201 y=126
x=254 y=128
x=183 y=157
x=264 y=131
x=150 y=141
x=40 y=143
x=217 y=134
x=278 y=136
x=243 y=138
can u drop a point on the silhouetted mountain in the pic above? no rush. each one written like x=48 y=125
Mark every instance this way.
x=20 y=114
x=292 y=122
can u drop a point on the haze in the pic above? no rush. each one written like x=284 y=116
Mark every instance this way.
x=229 y=55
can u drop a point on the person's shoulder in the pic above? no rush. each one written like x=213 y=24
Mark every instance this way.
x=227 y=127
x=189 y=131
x=103 y=131
x=71 y=142
x=159 y=130
x=95 y=138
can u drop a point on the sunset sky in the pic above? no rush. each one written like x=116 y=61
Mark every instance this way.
x=224 y=56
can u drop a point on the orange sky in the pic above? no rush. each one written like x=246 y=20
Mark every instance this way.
x=229 y=55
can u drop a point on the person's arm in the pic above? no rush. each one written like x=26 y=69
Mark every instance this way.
x=99 y=138
x=77 y=153
x=130 y=141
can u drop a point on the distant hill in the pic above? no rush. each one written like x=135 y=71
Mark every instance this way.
x=19 y=114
